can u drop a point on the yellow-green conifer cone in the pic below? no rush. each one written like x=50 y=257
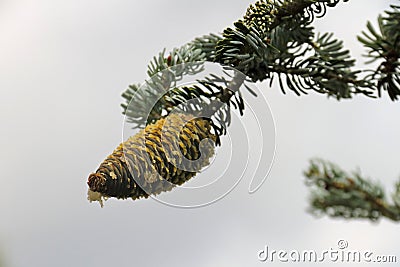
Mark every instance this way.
x=159 y=157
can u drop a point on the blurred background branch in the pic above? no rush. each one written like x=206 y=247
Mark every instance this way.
x=337 y=193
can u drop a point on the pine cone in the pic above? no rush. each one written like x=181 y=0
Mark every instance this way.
x=159 y=157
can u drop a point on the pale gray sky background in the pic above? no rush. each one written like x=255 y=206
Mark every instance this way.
x=63 y=67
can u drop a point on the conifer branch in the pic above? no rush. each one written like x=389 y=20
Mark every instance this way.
x=384 y=45
x=271 y=31
x=275 y=40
